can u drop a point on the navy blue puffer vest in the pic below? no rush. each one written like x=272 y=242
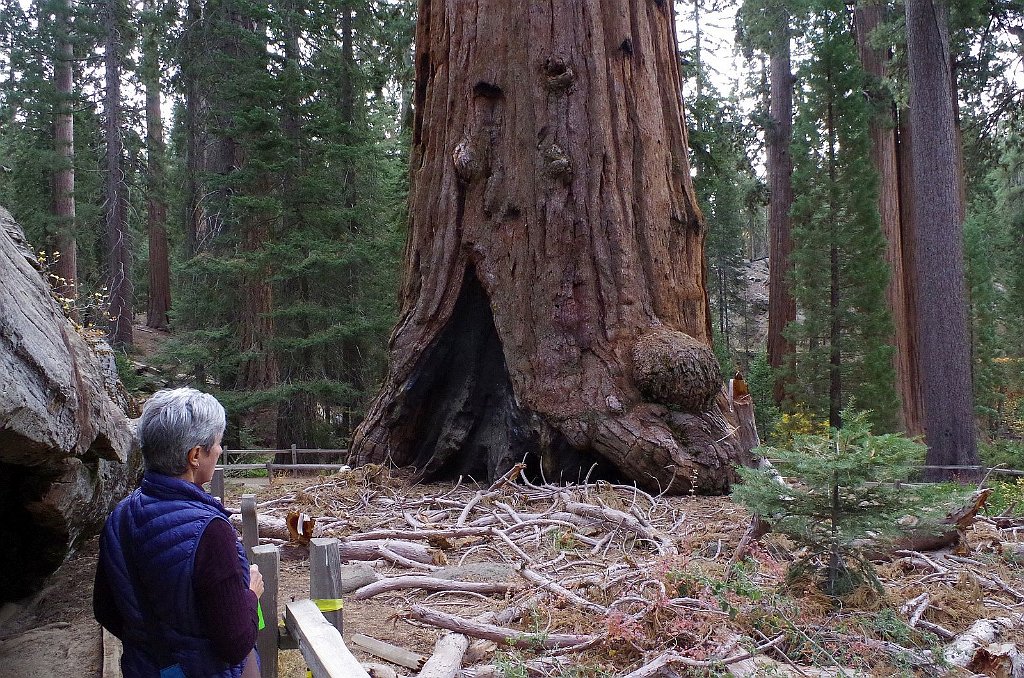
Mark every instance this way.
x=160 y=525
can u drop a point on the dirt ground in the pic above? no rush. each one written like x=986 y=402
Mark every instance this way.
x=54 y=634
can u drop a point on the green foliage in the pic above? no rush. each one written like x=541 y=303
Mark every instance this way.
x=846 y=491
x=1007 y=497
x=760 y=381
x=843 y=334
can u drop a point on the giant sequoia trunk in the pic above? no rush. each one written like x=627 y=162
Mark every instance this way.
x=554 y=306
x=778 y=137
x=882 y=128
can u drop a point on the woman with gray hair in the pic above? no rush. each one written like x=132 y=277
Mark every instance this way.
x=172 y=581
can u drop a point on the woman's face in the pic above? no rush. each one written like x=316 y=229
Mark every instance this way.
x=208 y=457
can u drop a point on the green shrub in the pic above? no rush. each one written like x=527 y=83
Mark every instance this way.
x=845 y=496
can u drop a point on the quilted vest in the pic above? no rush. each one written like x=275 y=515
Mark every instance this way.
x=160 y=524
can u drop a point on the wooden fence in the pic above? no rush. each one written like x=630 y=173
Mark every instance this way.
x=314 y=625
x=217 y=484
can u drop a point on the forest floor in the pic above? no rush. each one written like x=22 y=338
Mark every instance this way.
x=625 y=580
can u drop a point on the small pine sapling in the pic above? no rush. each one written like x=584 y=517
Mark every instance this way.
x=845 y=495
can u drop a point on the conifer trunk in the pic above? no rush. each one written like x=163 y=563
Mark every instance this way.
x=779 y=136
x=555 y=305
x=938 y=248
x=156 y=200
x=195 y=161
x=835 y=361
x=66 y=267
x=119 y=253
x=259 y=370
x=882 y=128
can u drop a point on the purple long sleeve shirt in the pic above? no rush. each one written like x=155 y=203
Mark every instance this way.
x=227 y=608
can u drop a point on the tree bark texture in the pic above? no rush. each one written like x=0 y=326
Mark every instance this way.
x=119 y=252
x=67 y=448
x=938 y=248
x=882 y=129
x=554 y=305
x=195 y=156
x=156 y=207
x=64 y=141
x=779 y=136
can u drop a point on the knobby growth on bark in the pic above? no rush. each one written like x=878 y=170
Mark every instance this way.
x=554 y=306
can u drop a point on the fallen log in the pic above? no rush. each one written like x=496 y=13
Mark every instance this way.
x=392 y=653
x=505 y=637
x=447 y=658
x=964 y=647
x=415 y=581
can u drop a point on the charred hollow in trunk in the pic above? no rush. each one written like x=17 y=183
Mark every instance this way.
x=461 y=404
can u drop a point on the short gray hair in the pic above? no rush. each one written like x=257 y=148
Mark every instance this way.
x=174 y=421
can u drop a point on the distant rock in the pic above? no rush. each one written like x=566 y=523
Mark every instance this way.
x=67 y=448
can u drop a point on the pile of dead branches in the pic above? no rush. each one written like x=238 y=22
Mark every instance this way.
x=606 y=579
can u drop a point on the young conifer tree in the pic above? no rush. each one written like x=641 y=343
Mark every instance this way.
x=844 y=496
x=839 y=272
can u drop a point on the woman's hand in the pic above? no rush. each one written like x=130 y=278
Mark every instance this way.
x=255 y=580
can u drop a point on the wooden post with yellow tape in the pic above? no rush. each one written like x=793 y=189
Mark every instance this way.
x=325 y=578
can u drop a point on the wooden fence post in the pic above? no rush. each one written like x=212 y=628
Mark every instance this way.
x=217 y=484
x=250 y=532
x=295 y=455
x=325 y=578
x=268 y=558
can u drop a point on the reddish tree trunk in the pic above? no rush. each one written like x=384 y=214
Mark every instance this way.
x=882 y=128
x=779 y=136
x=156 y=207
x=554 y=305
x=119 y=251
x=938 y=248
x=66 y=267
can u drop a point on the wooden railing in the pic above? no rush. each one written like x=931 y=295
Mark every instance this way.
x=314 y=625
x=217 y=484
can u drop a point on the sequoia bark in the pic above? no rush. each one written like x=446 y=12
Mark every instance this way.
x=882 y=127
x=779 y=136
x=554 y=306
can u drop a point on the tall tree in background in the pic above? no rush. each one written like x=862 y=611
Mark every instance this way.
x=119 y=245
x=159 y=293
x=844 y=332
x=191 y=64
x=64 y=143
x=555 y=298
x=938 y=248
x=778 y=136
x=869 y=15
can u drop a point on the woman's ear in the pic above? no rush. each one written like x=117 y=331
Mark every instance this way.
x=193 y=456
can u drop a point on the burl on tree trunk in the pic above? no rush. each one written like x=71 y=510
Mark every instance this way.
x=554 y=306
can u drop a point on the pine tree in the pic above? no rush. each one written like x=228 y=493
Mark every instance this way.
x=839 y=272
